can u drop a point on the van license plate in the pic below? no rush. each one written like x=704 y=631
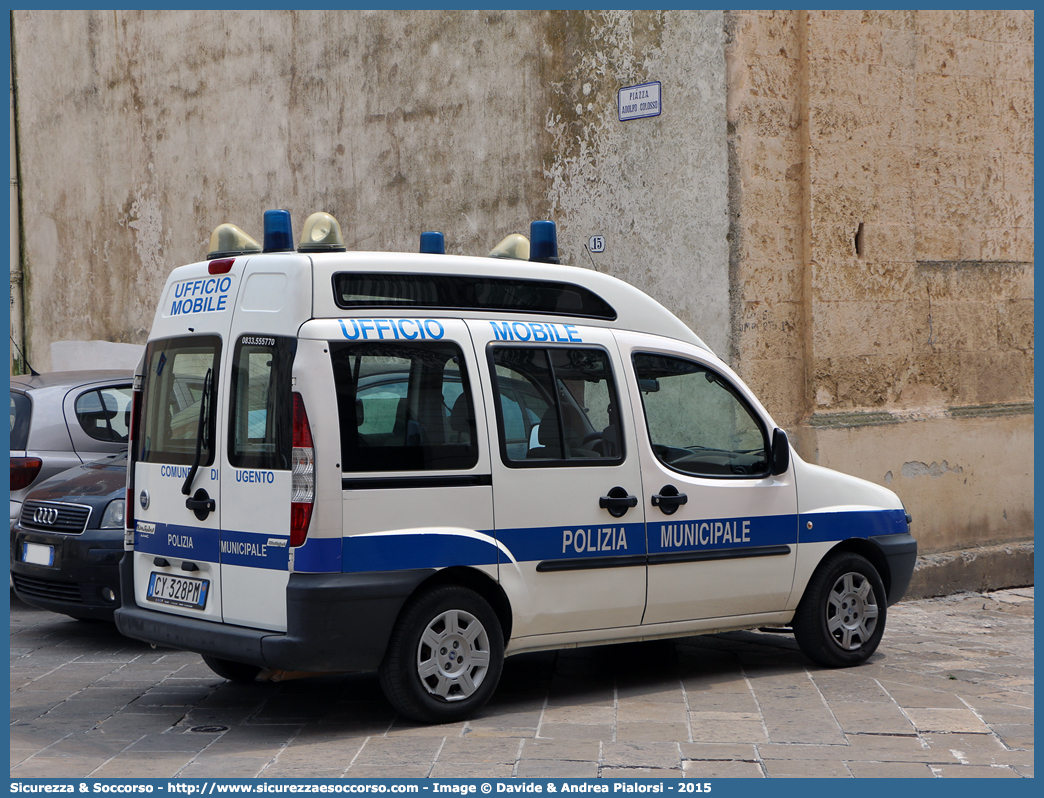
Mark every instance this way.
x=181 y=591
x=37 y=554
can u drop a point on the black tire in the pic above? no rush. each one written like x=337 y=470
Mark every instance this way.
x=841 y=617
x=444 y=657
x=238 y=672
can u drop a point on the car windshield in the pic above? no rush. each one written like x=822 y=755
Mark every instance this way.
x=21 y=408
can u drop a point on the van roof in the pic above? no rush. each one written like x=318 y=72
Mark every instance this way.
x=346 y=284
x=629 y=308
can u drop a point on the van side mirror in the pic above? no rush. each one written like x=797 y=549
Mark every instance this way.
x=648 y=385
x=780 y=452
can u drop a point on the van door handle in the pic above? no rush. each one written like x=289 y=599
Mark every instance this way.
x=201 y=504
x=669 y=499
x=618 y=502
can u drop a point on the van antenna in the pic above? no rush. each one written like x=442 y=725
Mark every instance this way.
x=594 y=265
x=32 y=371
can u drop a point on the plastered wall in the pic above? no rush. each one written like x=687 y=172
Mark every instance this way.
x=839 y=203
x=141 y=131
x=882 y=230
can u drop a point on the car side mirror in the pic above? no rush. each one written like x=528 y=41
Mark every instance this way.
x=780 y=452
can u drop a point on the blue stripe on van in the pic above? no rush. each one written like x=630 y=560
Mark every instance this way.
x=721 y=534
x=404 y=550
x=253 y=550
x=843 y=524
x=200 y=544
x=394 y=551
x=319 y=556
x=573 y=542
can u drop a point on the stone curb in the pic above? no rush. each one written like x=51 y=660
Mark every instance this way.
x=976 y=570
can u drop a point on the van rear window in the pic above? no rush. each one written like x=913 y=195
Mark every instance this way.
x=261 y=411
x=172 y=402
x=460 y=292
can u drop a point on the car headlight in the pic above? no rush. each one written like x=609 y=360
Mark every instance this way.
x=113 y=516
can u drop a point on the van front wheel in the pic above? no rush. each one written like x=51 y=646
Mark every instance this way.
x=445 y=656
x=841 y=617
x=238 y=672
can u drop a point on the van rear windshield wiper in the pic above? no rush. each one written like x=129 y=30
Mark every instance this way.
x=200 y=432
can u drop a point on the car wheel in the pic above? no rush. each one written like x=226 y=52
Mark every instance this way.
x=445 y=656
x=238 y=672
x=841 y=617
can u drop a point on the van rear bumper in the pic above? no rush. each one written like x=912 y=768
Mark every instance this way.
x=335 y=622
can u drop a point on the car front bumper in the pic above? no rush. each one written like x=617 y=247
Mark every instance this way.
x=84 y=569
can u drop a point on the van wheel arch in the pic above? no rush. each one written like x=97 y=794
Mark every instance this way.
x=445 y=655
x=872 y=552
x=481 y=583
x=842 y=614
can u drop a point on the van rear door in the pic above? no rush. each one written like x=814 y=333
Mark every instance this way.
x=256 y=447
x=176 y=546
x=256 y=477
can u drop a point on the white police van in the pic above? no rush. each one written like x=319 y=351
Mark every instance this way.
x=422 y=463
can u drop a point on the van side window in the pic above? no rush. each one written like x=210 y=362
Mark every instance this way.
x=698 y=422
x=403 y=407
x=556 y=406
x=261 y=412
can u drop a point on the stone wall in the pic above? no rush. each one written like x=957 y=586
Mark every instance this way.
x=139 y=132
x=882 y=247
x=839 y=203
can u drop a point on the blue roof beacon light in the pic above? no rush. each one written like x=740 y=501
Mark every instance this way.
x=278 y=234
x=543 y=242
x=433 y=243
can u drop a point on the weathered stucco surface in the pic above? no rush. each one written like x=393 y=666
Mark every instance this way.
x=882 y=208
x=839 y=203
x=655 y=188
x=141 y=131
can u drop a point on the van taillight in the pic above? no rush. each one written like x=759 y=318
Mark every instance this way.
x=302 y=495
x=24 y=471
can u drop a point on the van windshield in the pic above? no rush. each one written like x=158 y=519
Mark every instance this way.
x=175 y=373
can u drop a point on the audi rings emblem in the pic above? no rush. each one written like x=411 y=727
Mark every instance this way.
x=45 y=515
x=143 y=500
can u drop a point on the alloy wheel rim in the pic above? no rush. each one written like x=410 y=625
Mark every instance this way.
x=453 y=655
x=852 y=611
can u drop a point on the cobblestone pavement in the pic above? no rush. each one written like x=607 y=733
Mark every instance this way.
x=949 y=694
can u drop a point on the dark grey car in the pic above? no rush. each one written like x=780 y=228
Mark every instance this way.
x=68 y=541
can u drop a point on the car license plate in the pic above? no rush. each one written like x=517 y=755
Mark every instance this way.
x=181 y=591
x=37 y=554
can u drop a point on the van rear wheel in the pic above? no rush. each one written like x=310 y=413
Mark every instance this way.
x=238 y=672
x=841 y=617
x=445 y=656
